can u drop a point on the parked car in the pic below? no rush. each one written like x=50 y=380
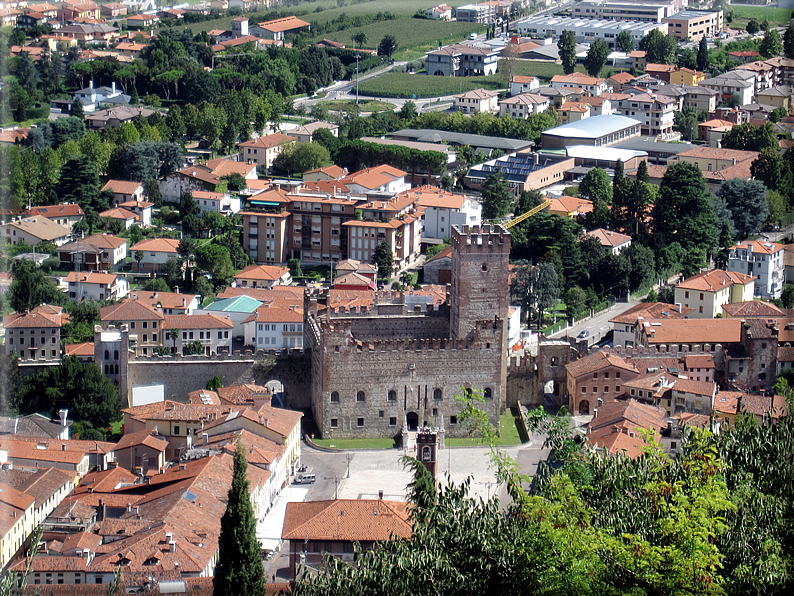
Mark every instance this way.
x=583 y=335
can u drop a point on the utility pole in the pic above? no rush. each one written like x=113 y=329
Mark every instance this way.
x=358 y=57
x=349 y=457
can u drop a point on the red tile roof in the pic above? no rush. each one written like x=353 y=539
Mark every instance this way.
x=714 y=280
x=263 y=272
x=168 y=245
x=122 y=187
x=651 y=310
x=207 y=321
x=348 y=520
x=144 y=437
x=596 y=362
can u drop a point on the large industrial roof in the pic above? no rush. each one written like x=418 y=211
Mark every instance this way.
x=593 y=127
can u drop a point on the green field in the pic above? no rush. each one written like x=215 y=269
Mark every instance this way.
x=397 y=84
x=743 y=14
x=508 y=434
x=366 y=105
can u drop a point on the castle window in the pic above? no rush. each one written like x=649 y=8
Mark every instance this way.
x=359 y=422
x=360 y=396
x=334 y=397
x=453 y=419
x=115 y=354
x=438 y=394
x=380 y=413
x=334 y=422
x=488 y=393
x=393 y=421
x=392 y=395
x=435 y=411
x=485 y=266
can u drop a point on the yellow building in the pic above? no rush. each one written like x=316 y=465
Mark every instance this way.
x=686 y=76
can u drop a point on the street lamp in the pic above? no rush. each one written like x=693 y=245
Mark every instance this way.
x=358 y=57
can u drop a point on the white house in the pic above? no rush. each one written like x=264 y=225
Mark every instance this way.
x=126 y=217
x=92 y=97
x=263 y=276
x=33 y=230
x=706 y=292
x=740 y=82
x=143 y=211
x=156 y=251
x=96 y=286
x=124 y=191
x=521 y=84
x=279 y=326
x=765 y=261
x=443 y=209
x=524 y=105
x=241 y=311
x=384 y=178
x=442 y=12
x=591 y=85
x=217 y=202
x=613 y=242
x=477 y=101
x=214 y=332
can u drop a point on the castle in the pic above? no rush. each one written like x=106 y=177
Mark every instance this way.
x=401 y=362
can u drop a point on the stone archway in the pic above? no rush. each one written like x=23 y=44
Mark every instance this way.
x=412 y=421
x=584 y=407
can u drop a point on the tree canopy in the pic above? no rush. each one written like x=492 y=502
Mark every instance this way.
x=567 y=50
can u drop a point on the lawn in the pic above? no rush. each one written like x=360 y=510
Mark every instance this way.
x=116 y=426
x=396 y=84
x=759 y=13
x=367 y=105
x=508 y=434
x=357 y=443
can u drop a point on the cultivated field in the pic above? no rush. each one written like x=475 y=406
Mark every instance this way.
x=395 y=84
x=743 y=14
x=364 y=105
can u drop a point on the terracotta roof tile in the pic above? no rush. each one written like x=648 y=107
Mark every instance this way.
x=168 y=245
x=714 y=280
x=264 y=272
x=207 y=321
x=122 y=187
x=596 y=362
x=130 y=310
x=361 y=520
x=688 y=331
x=753 y=308
x=651 y=310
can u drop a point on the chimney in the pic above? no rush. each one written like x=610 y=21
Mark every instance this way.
x=184 y=302
x=113 y=86
x=176 y=290
x=677 y=307
x=63 y=446
x=155 y=295
x=91 y=84
x=183 y=466
x=734 y=161
x=129 y=508
x=380 y=495
x=63 y=414
x=205 y=438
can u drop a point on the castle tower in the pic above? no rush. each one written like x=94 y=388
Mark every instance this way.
x=239 y=27
x=112 y=355
x=480 y=272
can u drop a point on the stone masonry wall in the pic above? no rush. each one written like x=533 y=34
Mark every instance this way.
x=413 y=370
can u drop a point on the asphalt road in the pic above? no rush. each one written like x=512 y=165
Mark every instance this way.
x=599 y=325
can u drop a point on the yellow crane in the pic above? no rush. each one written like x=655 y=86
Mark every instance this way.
x=527 y=215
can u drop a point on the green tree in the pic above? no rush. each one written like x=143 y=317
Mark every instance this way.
x=773 y=170
x=359 y=38
x=215 y=259
x=239 y=569
x=703 y=55
x=686 y=122
x=752 y=27
x=658 y=47
x=778 y=207
x=596 y=57
x=747 y=137
x=575 y=302
x=174 y=333
x=642 y=172
x=79 y=182
x=496 y=198
x=746 y=201
x=30 y=288
x=567 y=50
x=77 y=109
x=788 y=43
x=408 y=111
x=536 y=288
x=683 y=212
x=214 y=383
x=384 y=259
x=89 y=395
x=624 y=42
x=771 y=45
x=597 y=187
x=156 y=284
x=387 y=46
x=297 y=158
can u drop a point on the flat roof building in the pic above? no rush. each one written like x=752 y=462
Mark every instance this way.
x=625 y=11
x=695 y=24
x=586 y=30
x=597 y=131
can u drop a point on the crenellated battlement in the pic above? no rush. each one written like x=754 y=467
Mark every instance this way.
x=236 y=356
x=485 y=238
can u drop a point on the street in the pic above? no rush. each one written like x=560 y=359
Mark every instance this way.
x=598 y=326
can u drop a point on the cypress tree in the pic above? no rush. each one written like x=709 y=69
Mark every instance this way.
x=239 y=571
